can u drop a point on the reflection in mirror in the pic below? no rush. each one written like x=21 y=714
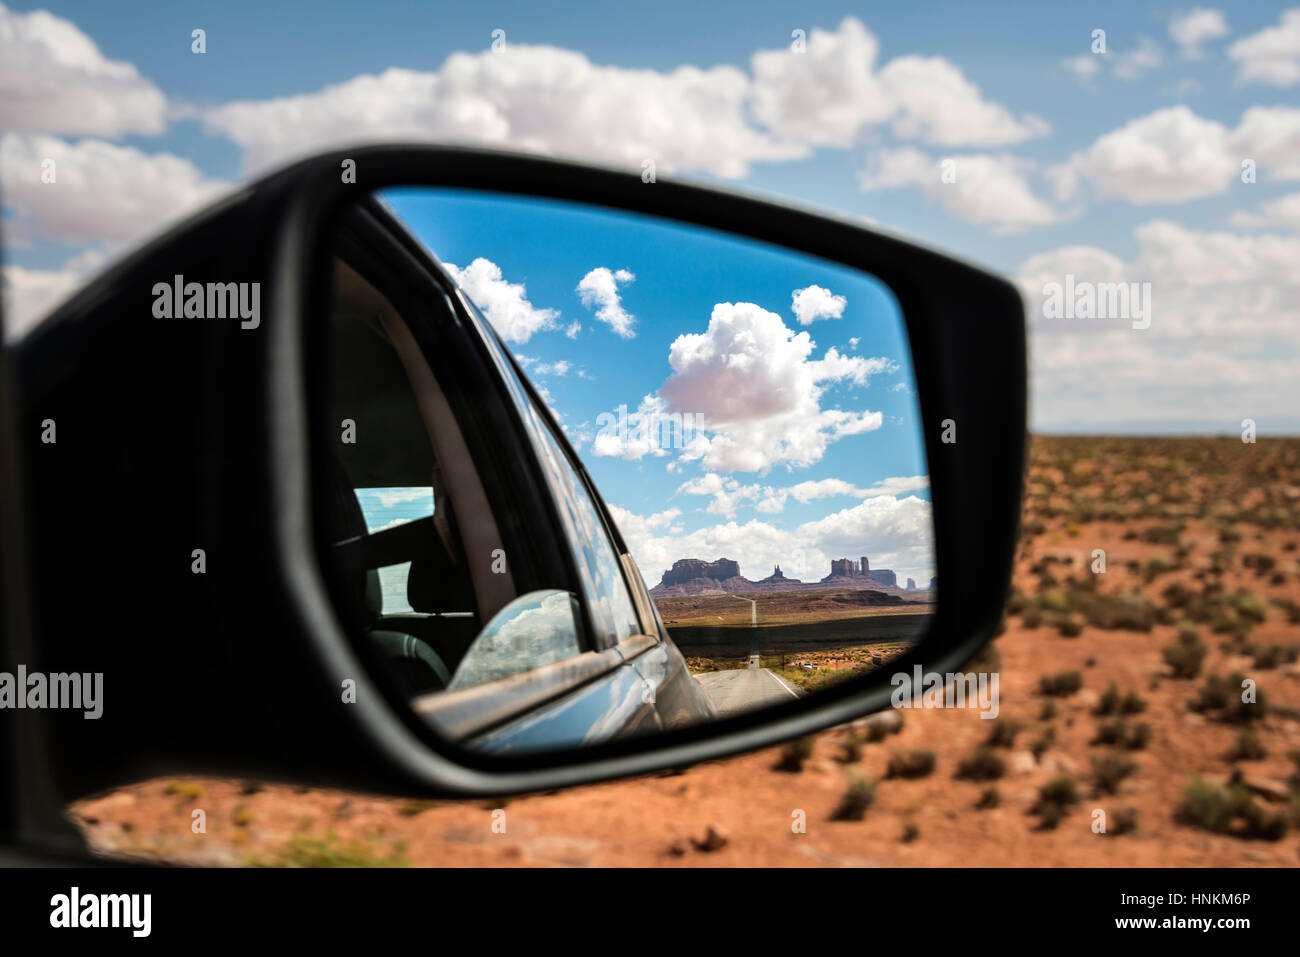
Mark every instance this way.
x=732 y=424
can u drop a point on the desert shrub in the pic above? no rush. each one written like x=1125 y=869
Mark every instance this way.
x=794 y=754
x=1111 y=732
x=1228 y=810
x=851 y=748
x=1132 y=703
x=1003 y=733
x=1290 y=608
x=1043 y=742
x=1267 y=659
x=1250 y=607
x=1186 y=654
x=989 y=798
x=1155 y=568
x=1060 y=685
x=1224 y=695
x=1053 y=599
x=1048 y=711
x=910 y=764
x=1123 y=821
x=984 y=764
x=910 y=832
x=1176 y=595
x=1110 y=700
x=859 y=793
x=1162 y=534
x=1109 y=771
x=1032 y=617
x=1248 y=746
x=1118 y=612
x=1260 y=562
x=1069 y=626
x=1138 y=737
x=1055 y=798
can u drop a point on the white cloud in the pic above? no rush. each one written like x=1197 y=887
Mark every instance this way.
x=536 y=98
x=760 y=392
x=1281 y=213
x=1191 y=29
x=1173 y=155
x=983 y=189
x=599 y=288
x=102 y=193
x=1131 y=64
x=1270 y=135
x=727 y=494
x=30 y=294
x=54 y=79
x=1084 y=66
x=505 y=304
x=816 y=302
x=1220 y=347
x=1272 y=55
x=937 y=104
x=572 y=329
x=825 y=95
x=1169 y=156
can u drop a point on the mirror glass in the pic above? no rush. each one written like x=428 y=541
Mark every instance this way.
x=585 y=474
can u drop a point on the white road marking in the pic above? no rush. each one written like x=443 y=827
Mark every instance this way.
x=781 y=682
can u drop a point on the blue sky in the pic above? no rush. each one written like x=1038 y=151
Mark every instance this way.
x=1115 y=165
x=772 y=465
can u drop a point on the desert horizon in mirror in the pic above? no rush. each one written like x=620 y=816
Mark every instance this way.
x=733 y=475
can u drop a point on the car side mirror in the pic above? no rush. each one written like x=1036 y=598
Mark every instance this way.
x=524 y=474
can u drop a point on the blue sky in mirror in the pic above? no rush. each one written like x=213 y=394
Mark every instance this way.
x=1112 y=161
x=791 y=377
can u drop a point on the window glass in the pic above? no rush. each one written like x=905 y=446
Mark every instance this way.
x=598 y=563
x=384 y=508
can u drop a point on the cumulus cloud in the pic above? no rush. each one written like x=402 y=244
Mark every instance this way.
x=1191 y=29
x=1173 y=155
x=828 y=93
x=504 y=303
x=1271 y=56
x=599 y=288
x=1270 y=135
x=979 y=188
x=937 y=104
x=816 y=302
x=1169 y=156
x=1281 y=213
x=760 y=391
x=54 y=79
x=719 y=120
x=102 y=193
x=1131 y=64
x=536 y=98
x=1220 y=346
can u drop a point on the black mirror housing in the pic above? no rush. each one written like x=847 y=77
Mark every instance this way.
x=282 y=691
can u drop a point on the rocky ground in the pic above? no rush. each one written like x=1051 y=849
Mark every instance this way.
x=1199 y=592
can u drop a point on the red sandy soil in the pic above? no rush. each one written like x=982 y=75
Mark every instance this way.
x=657 y=820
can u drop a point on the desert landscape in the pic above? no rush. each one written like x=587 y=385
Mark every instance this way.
x=1155 y=579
